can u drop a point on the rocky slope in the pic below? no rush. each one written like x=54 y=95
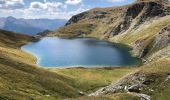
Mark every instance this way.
x=143 y=25
x=43 y=34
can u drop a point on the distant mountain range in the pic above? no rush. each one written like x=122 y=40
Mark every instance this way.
x=30 y=26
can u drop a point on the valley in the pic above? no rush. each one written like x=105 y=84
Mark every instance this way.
x=143 y=25
x=21 y=78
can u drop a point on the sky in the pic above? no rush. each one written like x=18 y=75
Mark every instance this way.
x=52 y=9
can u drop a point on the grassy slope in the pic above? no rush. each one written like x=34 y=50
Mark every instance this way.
x=20 y=78
x=158 y=70
x=89 y=80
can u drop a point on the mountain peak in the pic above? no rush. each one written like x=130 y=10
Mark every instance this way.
x=11 y=18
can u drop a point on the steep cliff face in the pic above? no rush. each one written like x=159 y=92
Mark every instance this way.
x=137 y=14
x=160 y=45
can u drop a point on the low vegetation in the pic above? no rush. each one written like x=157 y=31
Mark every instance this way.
x=21 y=78
x=89 y=80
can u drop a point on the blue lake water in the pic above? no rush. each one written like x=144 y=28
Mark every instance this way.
x=57 y=52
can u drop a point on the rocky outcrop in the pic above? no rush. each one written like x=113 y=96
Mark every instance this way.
x=144 y=97
x=131 y=83
x=139 y=13
x=44 y=33
x=93 y=14
x=137 y=83
x=161 y=40
x=138 y=48
x=136 y=88
x=76 y=18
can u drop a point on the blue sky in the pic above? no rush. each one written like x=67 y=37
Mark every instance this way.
x=61 y=9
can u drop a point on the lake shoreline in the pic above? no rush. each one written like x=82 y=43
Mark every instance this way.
x=85 y=66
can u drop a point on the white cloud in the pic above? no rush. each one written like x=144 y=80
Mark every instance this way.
x=116 y=0
x=73 y=2
x=48 y=6
x=11 y=4
x=37 y=5
x=50 y=10
x=45 y=9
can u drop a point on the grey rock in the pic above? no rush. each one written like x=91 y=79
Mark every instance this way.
x=136 y=88
x=121 y=85
x=168 y=78
x=144 y=97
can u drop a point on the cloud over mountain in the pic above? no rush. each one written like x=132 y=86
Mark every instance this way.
x=11 y=4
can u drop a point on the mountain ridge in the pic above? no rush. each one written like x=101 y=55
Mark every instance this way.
x=30 y=26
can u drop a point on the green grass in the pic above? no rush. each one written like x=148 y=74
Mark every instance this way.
x=88 y=80
x=21 y=78
x=74 y=30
